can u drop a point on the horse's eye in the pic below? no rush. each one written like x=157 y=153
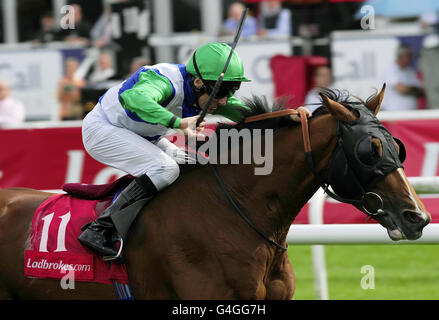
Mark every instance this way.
x=368 y=152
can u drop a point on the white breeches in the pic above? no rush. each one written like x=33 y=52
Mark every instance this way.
x=127 y=151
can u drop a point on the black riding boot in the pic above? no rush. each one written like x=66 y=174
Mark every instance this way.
x=98 y=235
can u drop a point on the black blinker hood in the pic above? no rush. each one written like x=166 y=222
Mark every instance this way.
x=349 y=175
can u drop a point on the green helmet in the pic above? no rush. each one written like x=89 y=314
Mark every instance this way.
x=210 y=60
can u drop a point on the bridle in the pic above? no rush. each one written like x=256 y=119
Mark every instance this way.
x=325 y=186
x=360 y=201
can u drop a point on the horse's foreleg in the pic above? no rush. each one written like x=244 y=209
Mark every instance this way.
x=281 y=283
x=196 y=283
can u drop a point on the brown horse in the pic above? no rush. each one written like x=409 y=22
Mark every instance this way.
x=189 y=243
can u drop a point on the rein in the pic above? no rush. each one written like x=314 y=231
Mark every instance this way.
x=309 y=159
x=226 y=192
x=238 y=210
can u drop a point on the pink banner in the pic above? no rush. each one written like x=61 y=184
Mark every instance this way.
x=47 y=158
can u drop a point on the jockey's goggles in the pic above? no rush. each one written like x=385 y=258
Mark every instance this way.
x=226 y=89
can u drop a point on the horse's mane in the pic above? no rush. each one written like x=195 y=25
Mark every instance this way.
x=343 y=97
x=257 y=105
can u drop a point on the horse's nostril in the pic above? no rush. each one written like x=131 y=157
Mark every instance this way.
x=413 y=216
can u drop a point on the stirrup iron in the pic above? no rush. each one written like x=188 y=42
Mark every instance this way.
x=117 y=256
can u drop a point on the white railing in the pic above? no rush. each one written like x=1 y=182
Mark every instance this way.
x=354 y=234
x=317 y=234
x=427 y=114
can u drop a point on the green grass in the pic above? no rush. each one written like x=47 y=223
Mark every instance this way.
x=401 y=271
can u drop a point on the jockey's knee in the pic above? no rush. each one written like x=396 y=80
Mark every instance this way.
x=172 y=171
x=164 y=174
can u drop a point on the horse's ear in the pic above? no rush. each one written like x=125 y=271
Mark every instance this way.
x=337 y=110
x=375 y=103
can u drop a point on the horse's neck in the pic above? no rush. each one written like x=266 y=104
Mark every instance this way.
x=323 y=138
x=272 y=201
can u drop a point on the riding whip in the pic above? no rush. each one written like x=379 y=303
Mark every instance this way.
x=221 y=77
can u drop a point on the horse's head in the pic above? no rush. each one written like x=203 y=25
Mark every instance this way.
x=366 y=169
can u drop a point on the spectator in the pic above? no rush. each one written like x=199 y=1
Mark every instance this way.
x=274 y=20
x=80 y=33
x=129 y=31
x=69 y=92
x=429 y=20
x=11 y=110
x=234 y=16
x=322 y=79
x=137 y=63
x=104 y=70
x=430 y=23
x=403 y=86
x=101 y=32
x=48 y=31
x=428 y=57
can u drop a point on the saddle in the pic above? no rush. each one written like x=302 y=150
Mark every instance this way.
x=97 y=192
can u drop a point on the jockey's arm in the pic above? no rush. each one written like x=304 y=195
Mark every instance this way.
x=145 y=96
x=232 y=109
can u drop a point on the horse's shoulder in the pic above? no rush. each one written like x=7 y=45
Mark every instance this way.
x=23 y=192
x=17 y=207
x=14 y=198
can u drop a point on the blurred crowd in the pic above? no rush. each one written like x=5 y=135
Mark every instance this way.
x=120 y=56
x=117 y=57
x=114 y=62
x=272 y=20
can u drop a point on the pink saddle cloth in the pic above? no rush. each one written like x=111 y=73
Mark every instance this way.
x=53 y=250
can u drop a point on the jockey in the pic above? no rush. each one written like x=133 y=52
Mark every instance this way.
x=126 y=129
